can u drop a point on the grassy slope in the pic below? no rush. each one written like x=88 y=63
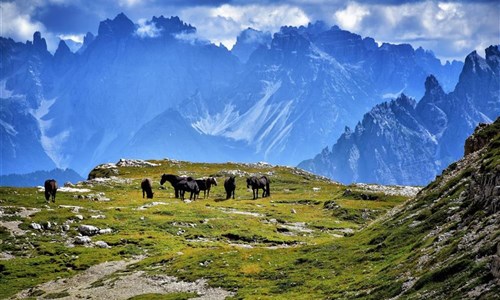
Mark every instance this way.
x=409 y=252
x=210 y=237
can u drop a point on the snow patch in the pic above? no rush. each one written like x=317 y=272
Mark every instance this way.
x=4 y=92
x=50 y=144
x=260 y=123
x=8 y=128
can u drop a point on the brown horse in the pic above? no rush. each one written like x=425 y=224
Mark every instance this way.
x=147 y=188
x=50 y=190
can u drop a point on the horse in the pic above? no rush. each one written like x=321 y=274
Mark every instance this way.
x=188 y=185
x=259 y=183
x=147 y=188
x=230 y=186
x=205 y=184
x=174 y=180
x=50 y=190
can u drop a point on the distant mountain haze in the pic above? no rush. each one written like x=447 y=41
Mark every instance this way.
x=405 y=142
x=156 y=91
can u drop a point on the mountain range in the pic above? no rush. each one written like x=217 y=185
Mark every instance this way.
x=165 y=93
x=405 y=142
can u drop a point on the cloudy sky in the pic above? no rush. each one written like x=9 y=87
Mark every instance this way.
x=451 y=29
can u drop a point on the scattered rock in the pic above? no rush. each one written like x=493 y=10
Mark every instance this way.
x=293 y=211
x=88 y=230
x=347 y=193
x=36 y=226
x=105 y=231
x=98 y=217
x=65 y=227
x=135 y=163
x=82 y=240
x=79 y=217
x=316 y=189
x=102 y=244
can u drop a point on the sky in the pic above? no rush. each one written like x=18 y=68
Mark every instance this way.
x=451 y=29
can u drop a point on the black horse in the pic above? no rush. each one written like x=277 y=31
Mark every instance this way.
x=205 y=184
x=50 y=189
x=230 y=186
x=259 y=183
x=147 y=188
x=174 y=180
x=188 y=185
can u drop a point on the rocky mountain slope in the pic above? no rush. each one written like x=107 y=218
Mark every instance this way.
x=291 y=93
x=404 y=142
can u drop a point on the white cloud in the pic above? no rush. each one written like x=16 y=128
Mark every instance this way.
x=16 y=24
x=450 y=29
x=222 y=24
x=77 y=38
x=351 y=17
x=147 y=29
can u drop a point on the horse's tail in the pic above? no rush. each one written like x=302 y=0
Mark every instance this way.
x=267 y=188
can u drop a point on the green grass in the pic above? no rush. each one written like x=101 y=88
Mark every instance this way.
x=299 y=243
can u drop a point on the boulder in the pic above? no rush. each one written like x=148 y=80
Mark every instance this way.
x=88 y=230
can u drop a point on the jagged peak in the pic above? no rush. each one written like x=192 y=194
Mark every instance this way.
x=251 y=35
x=493 y=56
x=404 y=101
x=39 y=43
x=120 y=26
x=473 y=62
x=62 y=49
x=172 y=25
x=88 y=38
x=432 y=85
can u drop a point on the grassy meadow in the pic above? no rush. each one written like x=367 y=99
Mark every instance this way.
x=308 y=240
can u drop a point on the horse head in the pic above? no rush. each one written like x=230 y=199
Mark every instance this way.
x=163 y=179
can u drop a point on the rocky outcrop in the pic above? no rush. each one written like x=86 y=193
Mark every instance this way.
x=480 y=138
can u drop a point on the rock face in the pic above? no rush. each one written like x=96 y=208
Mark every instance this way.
x=286 y=97
x=408 y=143
x=452 y=230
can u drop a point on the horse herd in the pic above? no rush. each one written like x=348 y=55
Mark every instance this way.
x=182 y=184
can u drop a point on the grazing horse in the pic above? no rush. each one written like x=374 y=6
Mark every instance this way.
x=188 y=185
x=259 y=183
x=50 y=190
x=174 y=180
x=147 y=188
x=230 y=186
x=205 y=184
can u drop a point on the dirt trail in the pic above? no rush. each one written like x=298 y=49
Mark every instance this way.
x=96 y=283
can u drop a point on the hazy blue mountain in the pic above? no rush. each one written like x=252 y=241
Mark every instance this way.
x=402 y=142
x=38 y=178
x=279 y=98
x=248 y=41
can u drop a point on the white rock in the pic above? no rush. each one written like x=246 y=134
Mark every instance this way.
x=105 y=231
x=82 y=240
x=102 y=244
x=36 y=226
x=88 y=230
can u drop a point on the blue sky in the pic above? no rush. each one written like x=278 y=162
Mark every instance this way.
x=451 y=29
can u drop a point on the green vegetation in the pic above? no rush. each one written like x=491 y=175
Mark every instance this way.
x=310 y=239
